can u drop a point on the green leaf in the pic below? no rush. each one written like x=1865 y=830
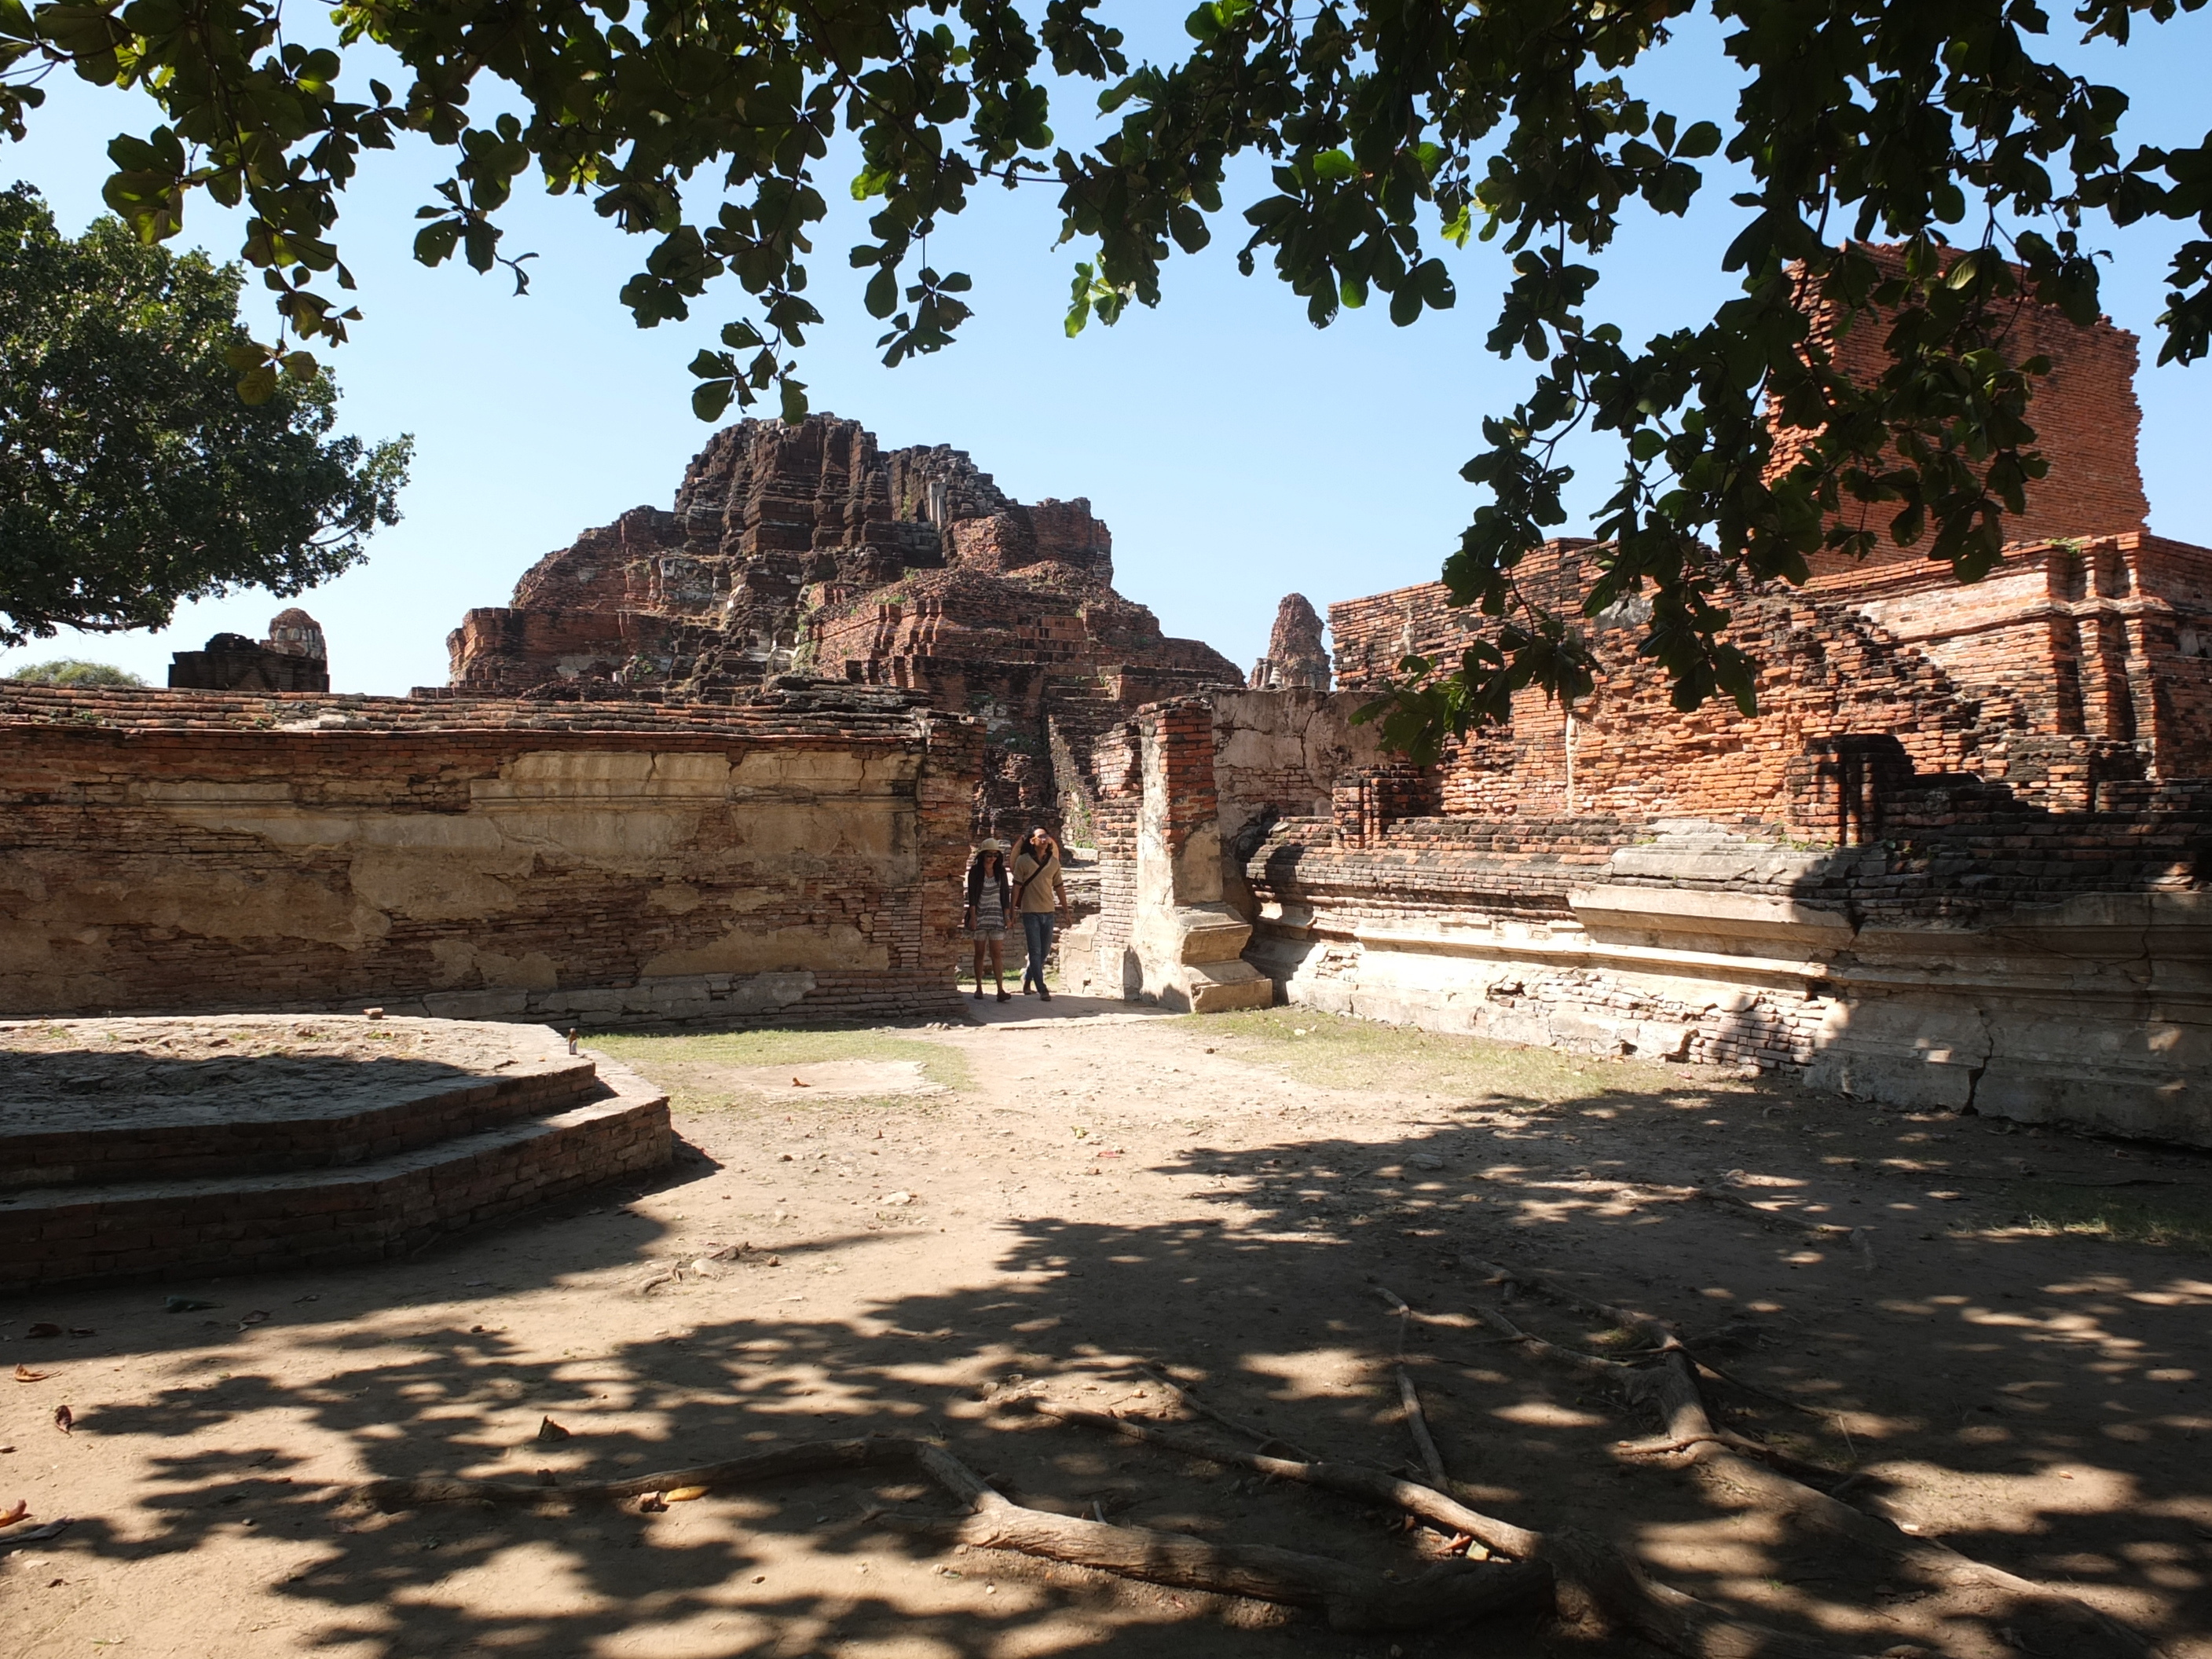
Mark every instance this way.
x=881 y=296
x=1702 y=139
x=711 y=398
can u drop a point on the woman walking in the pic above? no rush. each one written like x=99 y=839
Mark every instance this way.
x=989 y=898
x=1041 y=896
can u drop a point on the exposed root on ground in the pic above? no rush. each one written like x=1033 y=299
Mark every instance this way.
x=1667 y=1384
x=1450 y=1592
x=1593 y=1587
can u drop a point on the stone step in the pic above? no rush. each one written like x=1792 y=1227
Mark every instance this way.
x=392 y=1106
x=386 y=1206
x=1222 y=988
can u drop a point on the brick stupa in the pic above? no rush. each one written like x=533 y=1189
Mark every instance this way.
x=806 y=549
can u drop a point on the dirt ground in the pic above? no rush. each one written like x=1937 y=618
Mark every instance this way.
x=945 y=1221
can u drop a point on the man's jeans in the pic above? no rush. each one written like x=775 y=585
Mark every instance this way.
x=1036 y=934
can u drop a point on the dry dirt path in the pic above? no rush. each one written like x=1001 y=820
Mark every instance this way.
x=943 y=1221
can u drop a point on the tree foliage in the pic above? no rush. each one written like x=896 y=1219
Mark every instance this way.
x=1389 y=128
x=74 y=671
x=132 y=474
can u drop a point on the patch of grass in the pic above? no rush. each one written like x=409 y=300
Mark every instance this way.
x=2179 y=1217
x=678 y=1062
x=1335 y=1052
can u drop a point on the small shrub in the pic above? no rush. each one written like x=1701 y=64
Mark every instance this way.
x=70 y=670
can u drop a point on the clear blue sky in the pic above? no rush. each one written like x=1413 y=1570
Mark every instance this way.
x=1236 y=452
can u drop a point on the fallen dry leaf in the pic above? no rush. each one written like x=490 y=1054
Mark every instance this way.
x=43 y=1327
x=549 y=1430
x=801 y=1083
x=64 y=1418
x=254 y=1318
x=683 y=1494
x=9 y=1517
x=25 y=1374
x=651 y=1503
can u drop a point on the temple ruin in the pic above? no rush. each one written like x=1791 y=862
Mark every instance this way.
x=807 y=551
x=1958 y=858
x=726 y=762
x=294 y=657
x=1297 y=658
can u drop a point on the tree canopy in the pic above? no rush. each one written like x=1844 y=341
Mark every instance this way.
x=1389 y=128
x=74 y=671
x=132 y=475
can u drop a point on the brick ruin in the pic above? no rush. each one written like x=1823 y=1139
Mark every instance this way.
x=726 y=763
x=1297 y=657
x=809 y=551
x=294 y=657
x=795 y=857
x=365 y=1138
x=1960 y=857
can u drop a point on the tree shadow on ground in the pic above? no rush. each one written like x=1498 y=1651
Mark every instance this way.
x=1970 y=1375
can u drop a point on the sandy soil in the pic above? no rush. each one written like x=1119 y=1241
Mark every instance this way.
x=1064 y=1201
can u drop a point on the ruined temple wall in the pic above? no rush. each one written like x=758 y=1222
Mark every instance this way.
x=1117 y=766
x=2043 y=967
x=1970 y=949
x=2073 y=664
x=2087 y=421
x=478 y=858
x=1628 y=751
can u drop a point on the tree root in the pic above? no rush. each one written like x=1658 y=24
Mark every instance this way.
x=804 y=1457
x=1409 y=1397
x=1835 y=1232
x=1596 y=1589
x=1191 y=1402
x=1801 y=1491
x=1659 y=1333
x=1451 y=1592
x=1347 y=1479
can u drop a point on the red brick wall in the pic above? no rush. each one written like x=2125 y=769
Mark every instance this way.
x=1118 y=770
x=2106 y=643
x=611 y=862
x=2084 y=413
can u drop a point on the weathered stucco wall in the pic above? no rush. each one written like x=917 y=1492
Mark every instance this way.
x=1968 y=950
x=478 y=860
x=1694 y=943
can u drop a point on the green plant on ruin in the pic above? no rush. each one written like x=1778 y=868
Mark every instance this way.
x=1386 y=130
x=74 y=671
x=132 y=476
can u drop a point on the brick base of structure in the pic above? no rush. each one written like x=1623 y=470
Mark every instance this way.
x=172 y=1195
x=1956 y=946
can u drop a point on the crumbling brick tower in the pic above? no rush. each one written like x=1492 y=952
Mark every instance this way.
x=2083 y=663
x=806 y=549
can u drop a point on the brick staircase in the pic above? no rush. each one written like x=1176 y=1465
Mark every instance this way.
x=241 y=1180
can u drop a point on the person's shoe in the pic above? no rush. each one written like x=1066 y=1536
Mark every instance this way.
x=1047 y=995
x=979 y=994
x=1003 y=997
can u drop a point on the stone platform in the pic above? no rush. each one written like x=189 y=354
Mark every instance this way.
x=154 y=1147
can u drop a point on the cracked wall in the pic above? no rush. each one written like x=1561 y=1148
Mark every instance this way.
x=158 y=852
